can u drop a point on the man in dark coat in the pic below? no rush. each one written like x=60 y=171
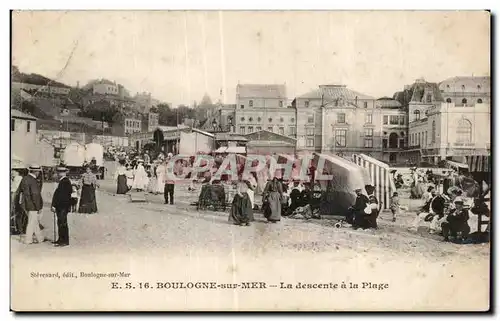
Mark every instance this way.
x=61 y=205
x=32 y=204
x=356 y=212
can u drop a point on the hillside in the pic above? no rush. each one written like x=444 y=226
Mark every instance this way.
x=36 y=79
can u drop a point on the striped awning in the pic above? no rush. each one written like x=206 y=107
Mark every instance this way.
x=479 y=163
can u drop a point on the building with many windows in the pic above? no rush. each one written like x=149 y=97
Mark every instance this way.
x=336 y=119
x=439 y=128
x=394 y=130
x=466 y=91
x=262 y=107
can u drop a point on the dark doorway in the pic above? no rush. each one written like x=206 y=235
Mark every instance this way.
x=392 y=157
x=393 y=140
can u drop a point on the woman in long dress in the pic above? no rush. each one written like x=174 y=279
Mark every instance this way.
x=160 y=178
x=272 y=199
x=241 y=208
x=130 y=177
x=88 y=203
x=141 y=179
x=121 y=179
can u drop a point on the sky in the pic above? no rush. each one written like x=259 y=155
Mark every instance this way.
x=179 y=56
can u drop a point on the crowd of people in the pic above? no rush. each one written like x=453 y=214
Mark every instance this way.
x=27 y=202
x=447 y=212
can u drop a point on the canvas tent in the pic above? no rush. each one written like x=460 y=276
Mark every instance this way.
x=43 y=154
x=347 y=176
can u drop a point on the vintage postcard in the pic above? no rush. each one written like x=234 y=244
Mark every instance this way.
x=250 y=161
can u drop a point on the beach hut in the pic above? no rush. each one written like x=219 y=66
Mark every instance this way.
x=338 y=192
x=380 y=175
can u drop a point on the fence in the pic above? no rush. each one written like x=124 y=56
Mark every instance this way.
x=380 y=176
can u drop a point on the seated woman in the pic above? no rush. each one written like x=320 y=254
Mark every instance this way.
x=241 y=208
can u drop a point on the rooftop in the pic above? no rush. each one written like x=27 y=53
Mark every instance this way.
x=19 y=114
x=334 y=92
x=467 y=84
x=261 y=91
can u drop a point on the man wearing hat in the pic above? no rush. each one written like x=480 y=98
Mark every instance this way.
x=356 y=212
x=456 y=221
x=61 y=205
x=32 y=204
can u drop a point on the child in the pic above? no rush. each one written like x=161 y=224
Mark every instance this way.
x=394 y=206
x=74 y=197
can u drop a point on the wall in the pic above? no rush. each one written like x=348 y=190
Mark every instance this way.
x=261 y=102
x=131 y=125
x=192 y=143
x=105 y=89
x=355 y=124
x=23 y=143
x=281 y=117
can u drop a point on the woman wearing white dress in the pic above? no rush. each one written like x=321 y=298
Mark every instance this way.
x=141 y=179
x=160 y=178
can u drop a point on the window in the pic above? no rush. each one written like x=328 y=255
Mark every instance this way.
x=340 y=137
x=259 y=119
x=463 y=87
x=310 y=119
x=425 y=139
x=242 y=106
x=250 y=119
x=479 y=101
x=401 y=119
x=384 y=143
x=292 y=130
x=270 y=128
x=478 y=86
x=341 y=118
x=242 y=118
x=310 y=131
x=464 y=131
x=250 y=103
x=448 y=100
x=281 y=131
x=270 y=119
x=417 y=114
x=12 y=125
x=369 y=132
x=292 y=120
x=310 y=142
x=365 y=104
x=258 y=128
x=401 y=143
x=419 y=142
x=369 y=118
x=429 y=98
x=281 y=103
x=282 y=119
x=433 y=132
x=250 y=129
x=242 y=130
x=386 y=119
x=306 y=103
x=394 y=120
x=368 y=143
x=464 y=101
